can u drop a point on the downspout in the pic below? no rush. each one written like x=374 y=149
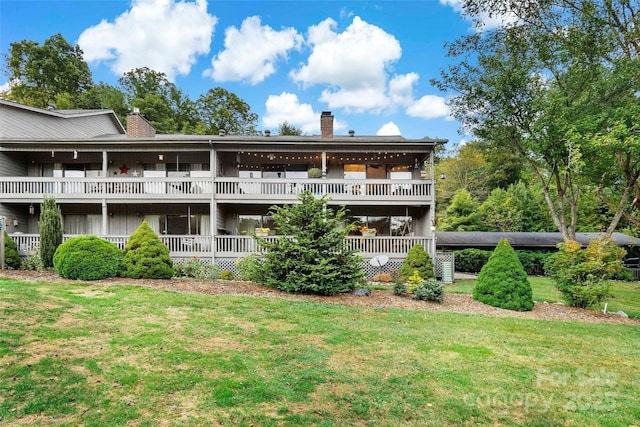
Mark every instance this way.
x=105 y=213
x=213 y=214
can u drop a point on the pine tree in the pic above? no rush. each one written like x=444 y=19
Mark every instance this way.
x=502 y=282
x=312 y=256
x=11 y=255
x=50 y=231
x=417 y=259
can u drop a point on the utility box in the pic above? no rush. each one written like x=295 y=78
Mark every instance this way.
x=447 y=273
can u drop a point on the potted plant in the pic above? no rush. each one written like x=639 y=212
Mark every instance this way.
x=368 y=232
x=262 y=231
x=314 y=173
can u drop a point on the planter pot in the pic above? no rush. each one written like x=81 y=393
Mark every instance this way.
x=369 y=233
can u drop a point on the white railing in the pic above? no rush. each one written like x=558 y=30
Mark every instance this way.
x=201 y=246
x=236 y=188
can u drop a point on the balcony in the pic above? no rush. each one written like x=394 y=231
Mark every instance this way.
x=200 y=246
x=231 y=190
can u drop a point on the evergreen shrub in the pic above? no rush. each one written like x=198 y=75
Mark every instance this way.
x=11 y=256
x=502 y=281
x=145 y=256
x=312 y=255
x=50 y=225
x=87 y=258
x=471 y=260
x=417 y=259
x=429 y=290
x=249 y=268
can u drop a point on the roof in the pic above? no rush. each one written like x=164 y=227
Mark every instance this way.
x=481 y=239
x=18 y=121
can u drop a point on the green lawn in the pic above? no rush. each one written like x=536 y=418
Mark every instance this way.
x=94 y=355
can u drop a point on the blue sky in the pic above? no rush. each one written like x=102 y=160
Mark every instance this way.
x=368 y=62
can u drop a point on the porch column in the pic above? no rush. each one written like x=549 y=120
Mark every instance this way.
x=324 y=164
x=213 y=211
x=105 y=217
x=105 y=164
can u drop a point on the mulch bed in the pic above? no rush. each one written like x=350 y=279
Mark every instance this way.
x=458 y=303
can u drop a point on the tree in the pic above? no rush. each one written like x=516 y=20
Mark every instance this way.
x=532 y=89
x=220 y=109
x=145 y=256
x=312 y=256
x=50 y=224
x=40 y=73
x=464 y=168
x=287 y=129
x=518 y=208
x=417 y=261
x=461 y=214
x=502 y=281
x=165 y=106
x=11 y=255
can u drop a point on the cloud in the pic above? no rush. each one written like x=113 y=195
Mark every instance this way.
x=353 y=63
x=389 y=129
x=429 y=107
x=401 y=89
x=287 y=108
x=5 y=87
x=483 y=20
x=164 y=35
x=251 y=52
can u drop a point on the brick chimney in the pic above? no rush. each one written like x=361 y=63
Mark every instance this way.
x=326 y=125
x=138 y=126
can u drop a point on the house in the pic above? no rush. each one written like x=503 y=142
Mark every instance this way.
x=205 y=195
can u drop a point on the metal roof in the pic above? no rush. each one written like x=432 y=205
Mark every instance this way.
x=482 y=239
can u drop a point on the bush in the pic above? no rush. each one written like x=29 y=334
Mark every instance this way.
x=87 y=258
x=399 y=288
x=417 y=259
x=533 y=261
x=145 y=256
x=312 y=255
x=249 y=268
x=50 y=231
x=11 y=256
x=196 y=269
x=429 y=290
x=471 y=260
x=581 y=274
x=32 y=263
x=227 y=275
x=382 y=278
x=502 y=281
x=414 y=280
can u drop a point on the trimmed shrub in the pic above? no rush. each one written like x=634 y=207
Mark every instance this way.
x=50 y=231
x=87 y=258
x=533 y=261
x=502 y=281
x=11 y=256
x=417 y=259
x=145 y=256
x=429 y=290
x=581 y=274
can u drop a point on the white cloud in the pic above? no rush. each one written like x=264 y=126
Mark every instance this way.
x=353 y=63
x=164 y=35
x=287 y=108
x=429 y=107
x=5 y=87
x=401 y=89
x=483 y=20
x=389 y=129
x=250 y=52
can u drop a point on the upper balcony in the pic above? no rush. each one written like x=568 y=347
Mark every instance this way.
x=221 y=189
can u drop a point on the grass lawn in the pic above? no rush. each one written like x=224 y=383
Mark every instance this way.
x=94 y=355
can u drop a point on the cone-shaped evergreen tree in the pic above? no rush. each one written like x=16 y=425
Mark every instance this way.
x=145 y=256
x=417 y=259
x=11 y=255
x=502 y=282
x=50 y=231
x=312 y=255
